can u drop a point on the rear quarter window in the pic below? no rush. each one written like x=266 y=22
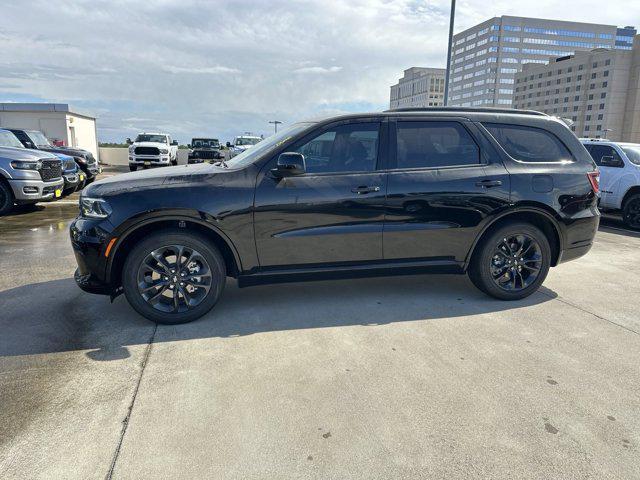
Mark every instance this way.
x=529 y=144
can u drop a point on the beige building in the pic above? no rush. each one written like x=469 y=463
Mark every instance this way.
x=598 y=90
x=59 y=123
x=419 y=87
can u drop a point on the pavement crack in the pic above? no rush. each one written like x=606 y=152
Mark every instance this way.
x=125 y=422
x=566 y=302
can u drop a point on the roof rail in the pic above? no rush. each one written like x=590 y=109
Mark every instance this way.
x=466 y=109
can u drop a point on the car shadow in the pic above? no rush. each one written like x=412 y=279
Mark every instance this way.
x=613 y=224
x=56 y=316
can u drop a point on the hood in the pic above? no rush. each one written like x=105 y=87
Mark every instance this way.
x=13 y=153
x=74 y=152
x=152 y=178
x=150 y=144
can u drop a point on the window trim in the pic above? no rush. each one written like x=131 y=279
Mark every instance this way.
x=524 y=162
x=393 y=145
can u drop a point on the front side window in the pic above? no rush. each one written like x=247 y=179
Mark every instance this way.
x=529 y=144
x=346 y=148
x=435 y=144
x=599 y=151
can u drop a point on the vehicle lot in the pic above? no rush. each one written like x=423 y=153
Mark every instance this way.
x=416 y=377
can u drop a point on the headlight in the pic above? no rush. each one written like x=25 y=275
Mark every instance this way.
x=131 y=149
x=164 y=151
x=26 y=164
x=94 y=208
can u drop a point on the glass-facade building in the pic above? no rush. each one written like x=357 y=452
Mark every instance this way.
x=485 y=58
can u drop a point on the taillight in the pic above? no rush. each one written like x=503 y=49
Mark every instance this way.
x=594 y=180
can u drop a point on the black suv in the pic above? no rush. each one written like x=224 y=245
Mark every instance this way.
x=36 y=140
x=204 y=150
x=500 y=194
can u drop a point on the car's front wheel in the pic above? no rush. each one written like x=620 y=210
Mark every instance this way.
x=173 y=277
x=6 y=198
x=133 y=168
x=631 y=212
x=512 y=262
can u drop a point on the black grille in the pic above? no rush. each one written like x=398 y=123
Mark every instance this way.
x=51 y=170
x=207 y=154
x=147 y=151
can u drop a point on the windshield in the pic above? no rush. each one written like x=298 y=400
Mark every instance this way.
x=247 y=141
x=205 y=143
x=252 y=154
x=633 y=153
x=39 y=139
x=8 y=139
x=151 y=138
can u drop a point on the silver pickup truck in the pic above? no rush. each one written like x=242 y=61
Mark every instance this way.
x=28 y=176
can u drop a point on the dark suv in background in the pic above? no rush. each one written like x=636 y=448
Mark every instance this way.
x=499 y=194
x=204 y=150
x=36 y=140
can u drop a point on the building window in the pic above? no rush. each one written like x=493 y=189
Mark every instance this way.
x=601 y=106
x=600 y=116
x=595 y=64
x=607 y=62
x=606 y=73
x=603 y=95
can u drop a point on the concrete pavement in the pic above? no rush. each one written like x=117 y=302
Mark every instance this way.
x=415 y=377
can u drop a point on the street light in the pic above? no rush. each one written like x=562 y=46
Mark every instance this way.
x=275 y=125
x=446 y=77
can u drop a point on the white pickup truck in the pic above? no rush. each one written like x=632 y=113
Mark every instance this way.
x=152 y=150
x=619 y=165
x=242 y=143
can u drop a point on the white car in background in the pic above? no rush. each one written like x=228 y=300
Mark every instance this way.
x=152 y=150
x=242 y=143
x=619 y=165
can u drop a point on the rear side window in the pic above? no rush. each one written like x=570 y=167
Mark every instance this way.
x=529 y=144
x=435 y=144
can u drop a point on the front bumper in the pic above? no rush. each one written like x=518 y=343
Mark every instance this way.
x=71 y=180
x=89 y=241
x=150 y=160
x=31 y=191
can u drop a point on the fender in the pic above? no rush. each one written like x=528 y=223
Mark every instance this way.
x=521 y=208
x=149 y=218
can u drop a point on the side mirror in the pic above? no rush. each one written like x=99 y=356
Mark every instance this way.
x=129 y=142
x=175 y=142
x=228 y=144
x=188 y=145
x=611 y=161
x=289 y=164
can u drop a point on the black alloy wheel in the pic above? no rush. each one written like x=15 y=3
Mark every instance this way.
x=516 y=262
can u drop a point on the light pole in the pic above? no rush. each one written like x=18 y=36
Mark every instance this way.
x=275 y=125
x=446 y=76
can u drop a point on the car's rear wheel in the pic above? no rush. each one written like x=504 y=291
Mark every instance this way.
x=6 y=198
x=512 y=262
x=631 y=212
x=173 y=277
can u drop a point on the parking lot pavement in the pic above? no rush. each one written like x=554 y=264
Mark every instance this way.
x=416 y=377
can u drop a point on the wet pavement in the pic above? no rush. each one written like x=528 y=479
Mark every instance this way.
x=416 y=377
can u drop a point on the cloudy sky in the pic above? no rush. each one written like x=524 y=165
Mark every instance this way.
x=222 y=67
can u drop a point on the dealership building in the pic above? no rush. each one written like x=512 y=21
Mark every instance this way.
x=61 y=124
x=419 y=87
x=598 y=90
x=486 y=58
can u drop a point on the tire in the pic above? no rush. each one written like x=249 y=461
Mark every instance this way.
x=80 y=186
x=631 y=212
x=133 y=168
x=174 y=162
x=200 y=248
x=6 y=198
x=491 y=258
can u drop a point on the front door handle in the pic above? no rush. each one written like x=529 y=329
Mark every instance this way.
x=489 y=183
x=364 y=189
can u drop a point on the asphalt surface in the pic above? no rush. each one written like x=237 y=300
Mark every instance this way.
x=416 y=377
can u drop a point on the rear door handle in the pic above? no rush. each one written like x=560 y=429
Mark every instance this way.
x=364 y=189
x=489 y=183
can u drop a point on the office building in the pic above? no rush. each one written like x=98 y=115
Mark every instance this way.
x=419 y=87
x=486 y=57
x=598 y=90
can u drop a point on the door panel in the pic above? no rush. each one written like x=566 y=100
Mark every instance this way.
x=328 y=215
x=436 y=213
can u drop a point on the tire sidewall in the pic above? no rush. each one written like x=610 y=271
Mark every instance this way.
x=165 y=238
x=480 y=272
x=7 y=195
x=625 y=211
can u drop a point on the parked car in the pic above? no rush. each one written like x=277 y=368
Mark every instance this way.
x=619 y=165
x=499 y=194
x=28 y=177
x=36 y=140
x=152 y=150
x=204 y=149
x=242 y=143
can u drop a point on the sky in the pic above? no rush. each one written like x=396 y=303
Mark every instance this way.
x=220 y=68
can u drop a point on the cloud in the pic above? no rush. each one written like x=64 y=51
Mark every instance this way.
x=319 y=70
x=195 y=67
